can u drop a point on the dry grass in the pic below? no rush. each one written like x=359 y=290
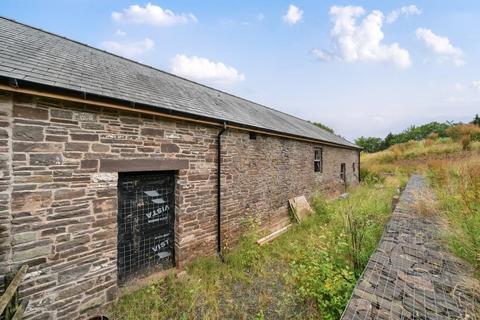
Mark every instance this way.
x=459 y=132
x=453 y=168
x=415 y=150
x=425 y=204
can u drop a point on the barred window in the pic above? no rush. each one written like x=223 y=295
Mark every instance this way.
x=318 y=160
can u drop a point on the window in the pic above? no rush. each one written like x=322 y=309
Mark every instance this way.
x=353 y=167
x=318 y=160
x=253 y=136
x=343 y=172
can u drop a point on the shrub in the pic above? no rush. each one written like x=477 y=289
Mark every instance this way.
x=369 y=177
x=475 y=136
x=466 y=143
x=319 y=205
x=463 y=130
x=325 y=281
x=433 y=136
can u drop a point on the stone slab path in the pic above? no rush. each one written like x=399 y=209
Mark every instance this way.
x=412 y=275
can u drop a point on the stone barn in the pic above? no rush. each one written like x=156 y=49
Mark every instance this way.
x=111 y=170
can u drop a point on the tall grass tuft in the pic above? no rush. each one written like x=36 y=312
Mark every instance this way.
x=457 y=184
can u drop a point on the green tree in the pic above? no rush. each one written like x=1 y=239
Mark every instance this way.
x=476 y=120
x=389 y=140
x=369 y=144
x=373 y=144
x=417 y=133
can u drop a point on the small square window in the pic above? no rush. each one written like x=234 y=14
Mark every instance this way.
x=253 y=136
x=318 y=160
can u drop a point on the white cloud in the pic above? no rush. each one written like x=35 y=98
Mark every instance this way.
x=202 y=69
x=129 y=49
x=476 y=84
x=293 y=16
x=361 y=42
x=120 y=33
x=403 y=11
x=322 y=55
x=441 y=45
x=260 y=17
x=152 y=15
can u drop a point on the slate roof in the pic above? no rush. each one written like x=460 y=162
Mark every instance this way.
x=40 y=57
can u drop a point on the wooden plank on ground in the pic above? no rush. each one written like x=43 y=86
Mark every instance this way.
x=20 y=310
x=12 y=288
x=272 y=235
x=300 y=207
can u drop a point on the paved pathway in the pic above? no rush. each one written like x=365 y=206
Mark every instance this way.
x=411 y=275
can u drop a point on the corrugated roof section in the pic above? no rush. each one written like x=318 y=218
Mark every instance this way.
x=41 y=57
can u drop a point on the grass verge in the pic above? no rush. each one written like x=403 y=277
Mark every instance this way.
x=307 y=273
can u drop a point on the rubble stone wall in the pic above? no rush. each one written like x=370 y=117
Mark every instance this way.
x=58 y=210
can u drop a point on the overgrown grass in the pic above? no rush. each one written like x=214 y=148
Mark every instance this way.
x=457 y=185
x=423 y=149
x=453 y=168
x=307 y=273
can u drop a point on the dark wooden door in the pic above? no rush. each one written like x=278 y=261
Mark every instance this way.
x=146 y=215
x=343 y=173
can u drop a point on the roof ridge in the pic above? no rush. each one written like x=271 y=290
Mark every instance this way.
x=166 y=73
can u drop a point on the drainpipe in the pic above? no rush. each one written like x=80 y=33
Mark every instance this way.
x=219 y=207
x=359 y=179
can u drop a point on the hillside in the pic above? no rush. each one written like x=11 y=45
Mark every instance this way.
x=421 y=132
x=452 y=166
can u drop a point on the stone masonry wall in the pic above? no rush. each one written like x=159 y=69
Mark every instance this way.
x=261 y=175
x=58 y=211
x=5 y=185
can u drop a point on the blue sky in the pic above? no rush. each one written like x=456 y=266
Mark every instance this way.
x=320 y=60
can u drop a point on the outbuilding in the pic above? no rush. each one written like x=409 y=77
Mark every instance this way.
x=111 y=170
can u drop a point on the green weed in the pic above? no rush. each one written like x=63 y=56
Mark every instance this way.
x=307 y=273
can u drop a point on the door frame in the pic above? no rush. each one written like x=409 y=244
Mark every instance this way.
x=144 y=271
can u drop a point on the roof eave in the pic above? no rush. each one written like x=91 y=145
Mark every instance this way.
x=23 y=86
